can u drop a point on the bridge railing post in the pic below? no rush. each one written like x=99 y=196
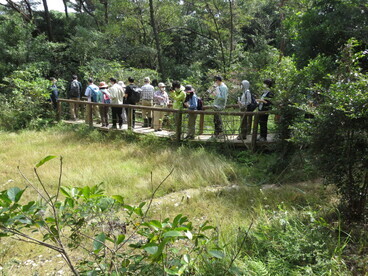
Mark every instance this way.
x=89 y=115
x=179 y=122
x=249 y=124
x=130 y=117
x=254 y=132
x=201 y=124
x=59 y=109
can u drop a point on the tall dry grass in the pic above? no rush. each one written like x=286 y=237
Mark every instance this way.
x=124 y=167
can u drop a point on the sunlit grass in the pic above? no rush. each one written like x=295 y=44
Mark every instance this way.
x=124 y=168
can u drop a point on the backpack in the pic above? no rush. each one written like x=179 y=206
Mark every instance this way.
x=136 y=94
x=253 y=105
x=94 y=92
x=199 y=104
x=74 y=91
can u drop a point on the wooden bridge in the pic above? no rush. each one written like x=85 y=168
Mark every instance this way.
x=175 y=123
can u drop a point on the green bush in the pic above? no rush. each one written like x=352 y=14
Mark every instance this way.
x=286 y=244
x=25 y=99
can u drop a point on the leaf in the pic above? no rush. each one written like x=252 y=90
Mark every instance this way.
x=217 y=254
x=46 y=159
x=172 y=234
x=14 y=194
x=186 y=258
x=28 y=206
x=92 y=273
x=65 y=191
x=4 y=200
x=155 y=224
x=171 y=271
x=4 y=218
x=120 y=239
x=98 y=243
x=118 y=198
x=207 y=228
x=151 y=248
x=188 y=234
x=86 y=192
x=176 y=220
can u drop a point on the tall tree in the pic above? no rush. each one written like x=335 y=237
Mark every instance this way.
x=23 y=8
x=157 y=39
x=48 y=20
x=65 y=2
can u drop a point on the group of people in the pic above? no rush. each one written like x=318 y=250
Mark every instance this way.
x=181 y=97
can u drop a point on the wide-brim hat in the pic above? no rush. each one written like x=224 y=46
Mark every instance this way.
x=122 y=84
x=103 y=85
x=161 y=84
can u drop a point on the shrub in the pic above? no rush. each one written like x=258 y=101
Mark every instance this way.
x=25 y=100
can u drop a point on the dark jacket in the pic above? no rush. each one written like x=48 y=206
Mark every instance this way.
x=54 y=93
x=129 y=91
x=267 y=95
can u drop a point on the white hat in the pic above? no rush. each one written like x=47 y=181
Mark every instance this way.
x=161 y=84
x=121 y=83
x=147 y=79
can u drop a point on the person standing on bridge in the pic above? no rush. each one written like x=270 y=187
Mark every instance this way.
x=191 y=104
x=74 y=93
x=247 y=103
x=147 y=100
x=54 y=93
x=265 y=105
x=116 y=97
x=124 y=114
x=178 y=95
x=161 y=100
x=92 y=92
x=104 y=110
x=219 y=104
x=132 y=97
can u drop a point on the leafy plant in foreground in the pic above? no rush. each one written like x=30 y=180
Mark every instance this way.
x=116 y=238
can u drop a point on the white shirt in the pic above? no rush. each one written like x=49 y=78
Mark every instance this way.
x=116 y=94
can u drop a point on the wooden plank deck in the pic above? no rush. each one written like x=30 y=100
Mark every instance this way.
x=204 y=138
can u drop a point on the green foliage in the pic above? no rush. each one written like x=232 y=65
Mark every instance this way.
x=322 y=27
x=337 y=133
x=116 y=237
x=103 y=70
x=25 y=100
x=284 y=244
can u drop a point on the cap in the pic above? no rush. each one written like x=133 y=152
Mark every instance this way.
x=188 y=88
x=161 y=84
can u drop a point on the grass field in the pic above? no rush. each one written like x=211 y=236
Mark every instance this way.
x=125 y=163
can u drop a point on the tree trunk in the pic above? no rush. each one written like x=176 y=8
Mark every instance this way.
x=10 y=4
x=106 y=6
x=231 y=32
x=48 y=20
x=283 y=40
x=220 y=41
x=66 y=8
x=157 y=40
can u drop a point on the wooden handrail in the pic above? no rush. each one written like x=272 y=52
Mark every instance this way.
x=178 y=114
x=239 y=113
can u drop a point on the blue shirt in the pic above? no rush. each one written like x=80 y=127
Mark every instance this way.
x=221 y=96
x=193 y=102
